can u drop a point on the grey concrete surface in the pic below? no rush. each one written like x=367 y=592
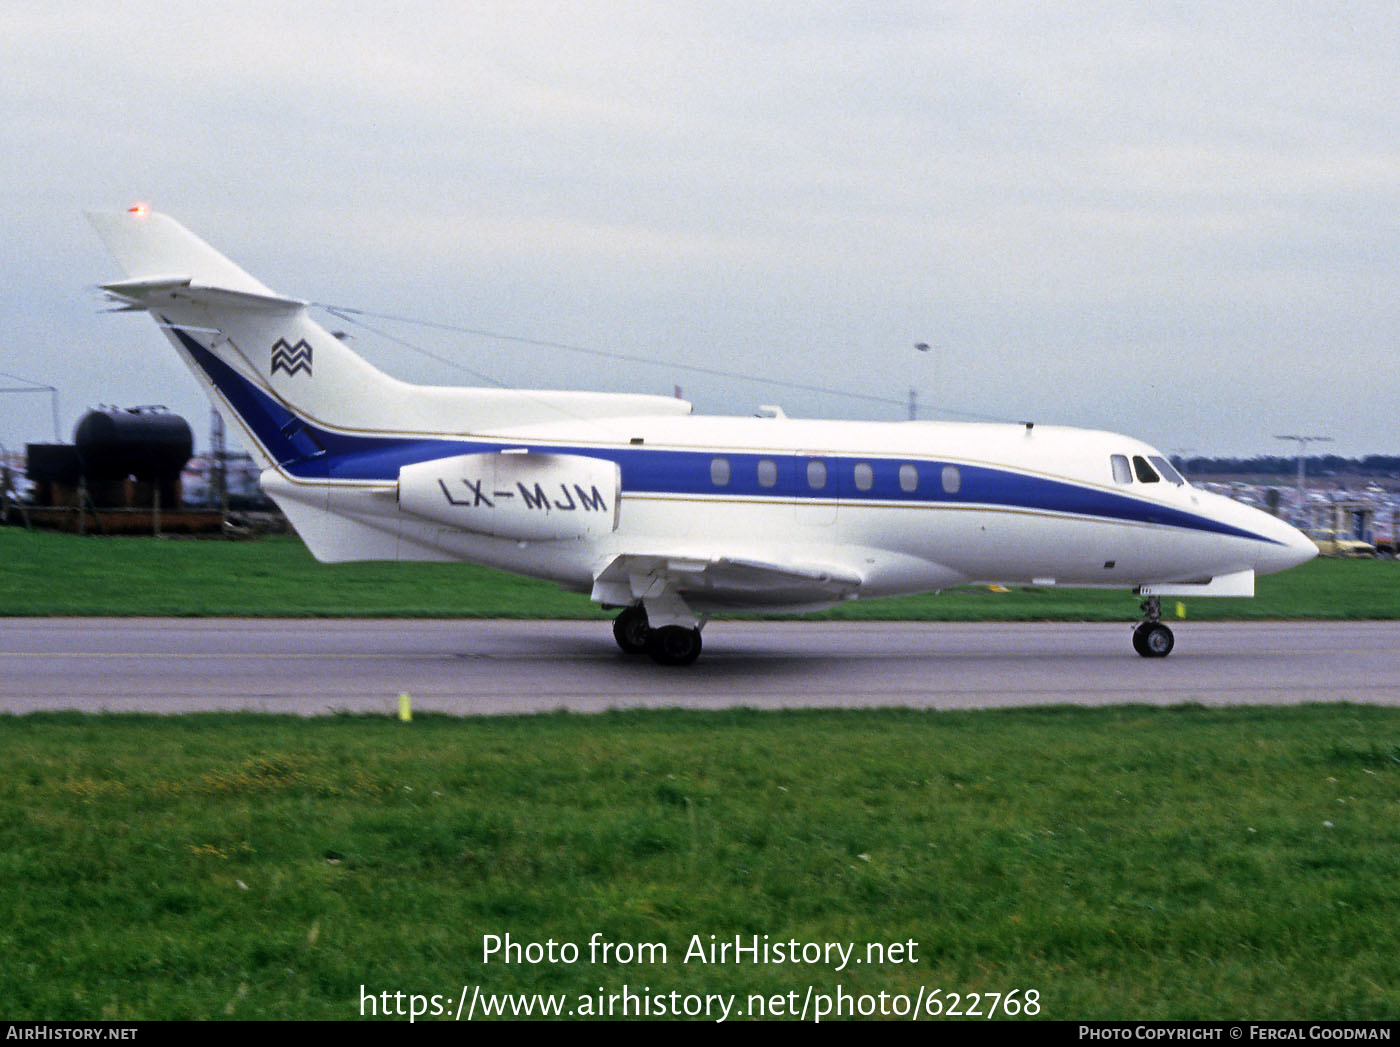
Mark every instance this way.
x=477 y=667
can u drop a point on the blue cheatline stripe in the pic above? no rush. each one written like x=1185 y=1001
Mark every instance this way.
x=310 y=452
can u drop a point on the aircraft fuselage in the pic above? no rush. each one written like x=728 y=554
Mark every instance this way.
x=668 y=515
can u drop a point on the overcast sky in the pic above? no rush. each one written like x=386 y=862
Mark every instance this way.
x=1175 y=220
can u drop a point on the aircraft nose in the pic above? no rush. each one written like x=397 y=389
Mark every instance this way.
x=1289 y=548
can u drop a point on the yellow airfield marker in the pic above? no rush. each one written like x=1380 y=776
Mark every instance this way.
x=405 y=708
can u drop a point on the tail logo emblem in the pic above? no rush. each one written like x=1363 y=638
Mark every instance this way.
x=291 y=358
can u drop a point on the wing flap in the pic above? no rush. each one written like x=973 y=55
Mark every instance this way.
x=722 y=582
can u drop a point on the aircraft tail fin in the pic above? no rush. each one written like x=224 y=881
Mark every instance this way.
x=291 y=387
x=150 y=246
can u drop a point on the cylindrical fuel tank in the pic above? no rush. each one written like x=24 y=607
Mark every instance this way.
x=148 y=443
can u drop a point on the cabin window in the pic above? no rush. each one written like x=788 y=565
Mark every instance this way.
x=767 y=472
x=908 y=478
x=1144 y=471
x=1167 y=470
x=864 y=476
x=816 y=473
x=719 y=471
x=1121 y=473
x=952 y=479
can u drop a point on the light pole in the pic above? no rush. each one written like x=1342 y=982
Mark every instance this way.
x=922 y=347
x=1303 y=442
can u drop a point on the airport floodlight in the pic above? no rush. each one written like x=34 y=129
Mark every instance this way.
x=1303 y=442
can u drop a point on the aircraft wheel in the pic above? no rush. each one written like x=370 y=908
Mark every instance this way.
x=1153 y=640
x=630 y=630
x=673 y=645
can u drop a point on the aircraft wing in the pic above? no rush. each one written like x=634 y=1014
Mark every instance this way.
x=723 y=582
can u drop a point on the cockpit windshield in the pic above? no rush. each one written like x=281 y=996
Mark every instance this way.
x=1165 y=468
x=1126 y=470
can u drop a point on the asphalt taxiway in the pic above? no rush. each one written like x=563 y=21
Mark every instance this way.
x=312 y=666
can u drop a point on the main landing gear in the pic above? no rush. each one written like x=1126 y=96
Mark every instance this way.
x=1151 y=638
x=667 y=644
x=630 y=630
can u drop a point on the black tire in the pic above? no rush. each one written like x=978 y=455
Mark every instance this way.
x=630 y=630
x=1153 y=640
x=673 y=645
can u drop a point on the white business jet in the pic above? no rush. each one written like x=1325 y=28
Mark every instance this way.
x=669 y=516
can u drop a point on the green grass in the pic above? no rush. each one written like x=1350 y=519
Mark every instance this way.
x=51 y=574
x=54 y=574
x=1124 y=863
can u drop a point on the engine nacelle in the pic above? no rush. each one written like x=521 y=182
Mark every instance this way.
x=525 y=496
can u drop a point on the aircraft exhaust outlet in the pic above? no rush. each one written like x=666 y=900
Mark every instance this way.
x=526 y=497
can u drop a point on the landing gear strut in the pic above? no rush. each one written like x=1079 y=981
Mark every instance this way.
x=1151 y=638
x=666 y=644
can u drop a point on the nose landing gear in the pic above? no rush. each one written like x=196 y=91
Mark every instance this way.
x=1151 y=638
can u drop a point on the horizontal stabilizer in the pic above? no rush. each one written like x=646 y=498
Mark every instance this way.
x=154 y=292
x=142 y=286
